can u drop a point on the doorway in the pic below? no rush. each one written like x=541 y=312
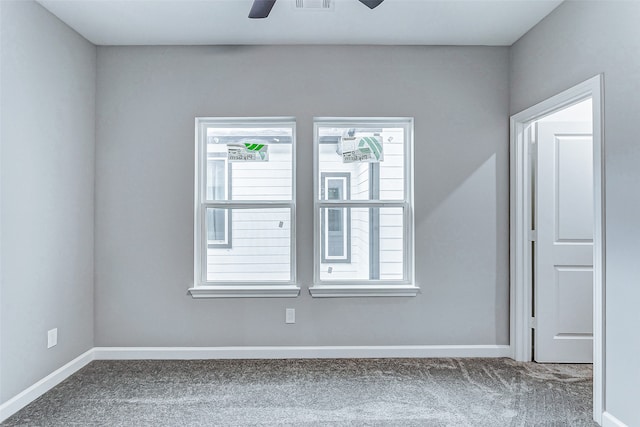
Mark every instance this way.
x=576 y=240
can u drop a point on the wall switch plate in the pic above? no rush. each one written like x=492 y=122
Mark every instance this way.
x=52 y=337
x=290 y=315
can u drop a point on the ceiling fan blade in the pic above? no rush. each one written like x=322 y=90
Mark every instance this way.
x=371 y=4
x=261 y=8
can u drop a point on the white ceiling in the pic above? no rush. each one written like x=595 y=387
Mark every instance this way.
x=394 y=22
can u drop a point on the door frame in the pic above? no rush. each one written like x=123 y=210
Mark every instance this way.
x=521 y=251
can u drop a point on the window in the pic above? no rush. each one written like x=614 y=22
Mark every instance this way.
x=245 y=208
x=336 y=229
x=218 y=221
x=363 y=213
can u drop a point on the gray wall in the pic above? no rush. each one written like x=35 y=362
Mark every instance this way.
x=147 y=98
x=47 y=178
x=577 y=41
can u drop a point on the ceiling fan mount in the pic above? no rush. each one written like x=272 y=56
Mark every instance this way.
x=261 y=8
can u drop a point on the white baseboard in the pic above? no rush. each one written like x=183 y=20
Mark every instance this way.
x=300 y=352
x=22 y=399
x=609 y=420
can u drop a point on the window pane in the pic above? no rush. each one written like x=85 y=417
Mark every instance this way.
x=217 y=226
x=335 y=190
x=260 y=247
x=373 y=240
x=265 y=178
x=383 y=180
x=336 y=237
x=216 y=179
x=335 y=220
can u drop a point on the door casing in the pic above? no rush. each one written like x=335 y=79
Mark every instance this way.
x=521 y=262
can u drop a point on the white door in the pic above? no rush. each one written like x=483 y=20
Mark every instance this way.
x=563 y=276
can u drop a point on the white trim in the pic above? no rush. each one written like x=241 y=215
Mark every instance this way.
x=520 y=270
x=245 y=291
x=350 y=290
x=609 y=420
x=362 y=203
x=599 y=254
x=520 y=248
x=27 y=396
x=300 y=352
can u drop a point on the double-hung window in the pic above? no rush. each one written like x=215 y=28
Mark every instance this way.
x=363 y=207
x=245 y=208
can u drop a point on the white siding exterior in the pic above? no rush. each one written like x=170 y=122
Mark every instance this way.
x=391 y=220
x=260 y=244
x=360 y=238
x=391 y=187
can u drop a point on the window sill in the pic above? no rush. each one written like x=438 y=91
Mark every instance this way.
x=335 y=291
x=245 y=291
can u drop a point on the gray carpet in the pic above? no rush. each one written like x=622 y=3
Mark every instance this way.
x=424 y=392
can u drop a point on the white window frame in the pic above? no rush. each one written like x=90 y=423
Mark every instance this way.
x=365 y=288
x=202 y=288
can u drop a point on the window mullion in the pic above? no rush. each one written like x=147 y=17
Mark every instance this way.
x=230 y=204
x=360 y=204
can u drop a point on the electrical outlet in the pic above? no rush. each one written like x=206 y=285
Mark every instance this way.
x=52 y=337
x=290 y=315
